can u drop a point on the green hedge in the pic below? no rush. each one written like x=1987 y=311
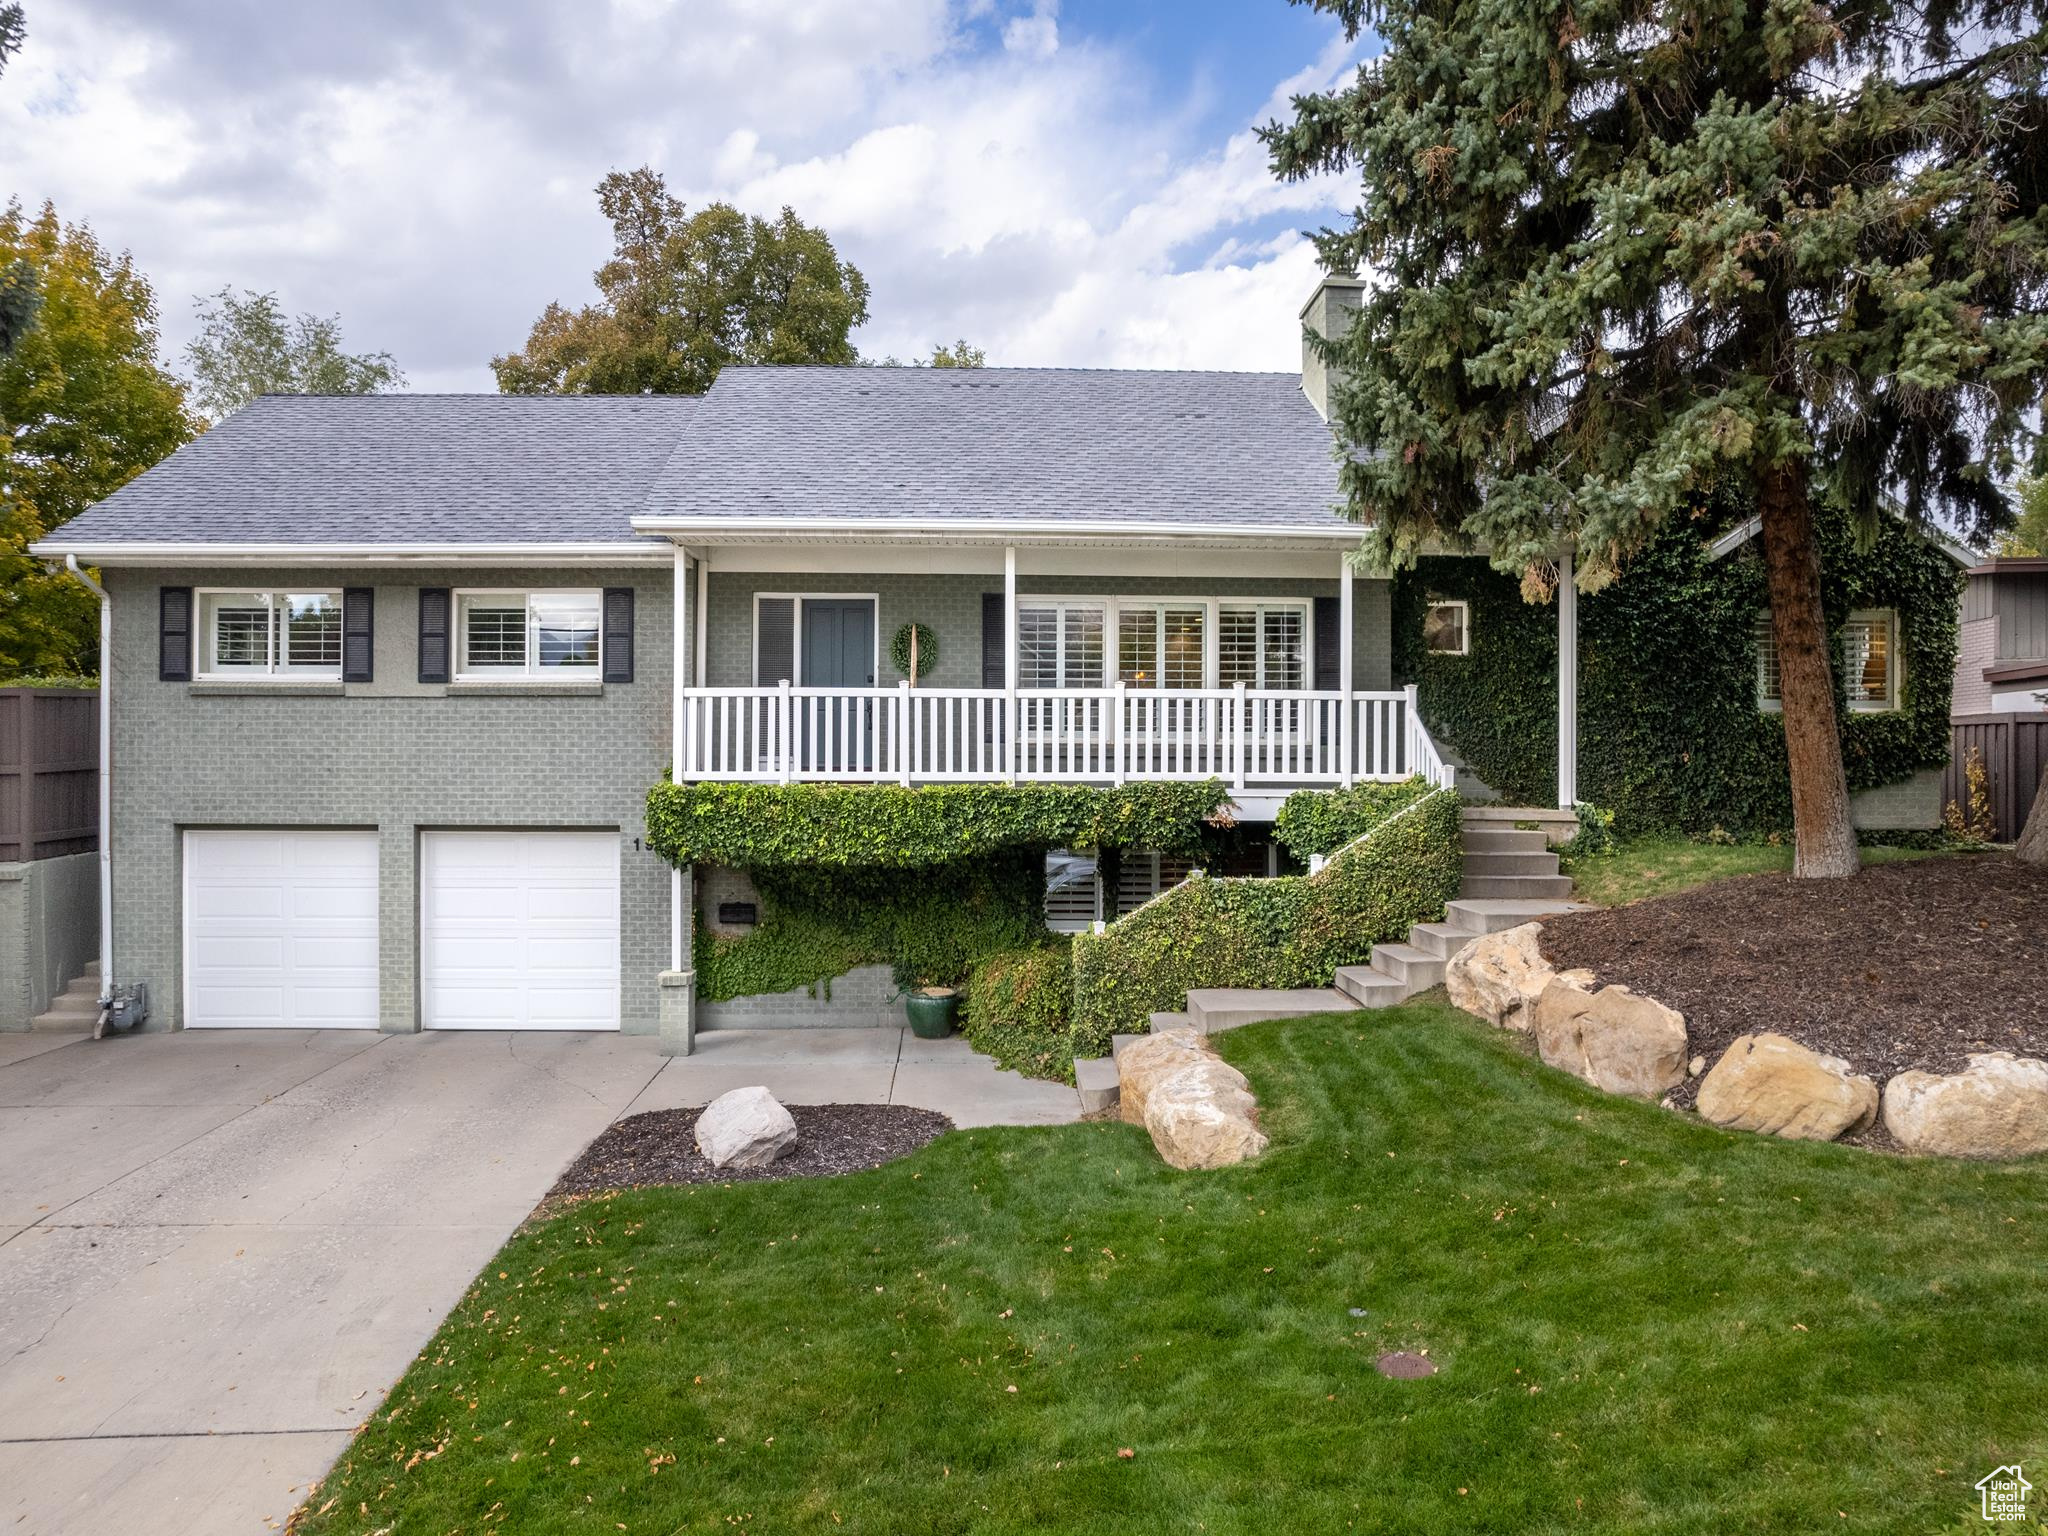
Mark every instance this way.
x=1670 y=736
x=1294 y=931
x=1317 y=821
x=817 y=924
x=1018 y=1007
x=885 y=826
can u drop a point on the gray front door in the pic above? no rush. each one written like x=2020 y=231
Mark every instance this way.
x=839 y=642
x=838 y=651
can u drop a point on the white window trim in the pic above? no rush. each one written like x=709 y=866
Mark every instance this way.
x=272 y=671
x=1211 y=626
x=1895 y=663
x=532 y=672
x=796 y=660
x=1464 y=624
x=1895 y=669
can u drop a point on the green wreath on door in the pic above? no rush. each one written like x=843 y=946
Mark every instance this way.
x=927 y=650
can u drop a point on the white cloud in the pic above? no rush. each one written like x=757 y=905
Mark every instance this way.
x=427 y=173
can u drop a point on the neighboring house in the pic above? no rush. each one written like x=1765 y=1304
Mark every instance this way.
x=390 y=676
x=2002 y=661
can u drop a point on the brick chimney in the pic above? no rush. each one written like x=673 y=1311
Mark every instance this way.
x=1328 y=313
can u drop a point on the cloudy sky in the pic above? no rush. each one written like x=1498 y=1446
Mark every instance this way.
x=1063 y=182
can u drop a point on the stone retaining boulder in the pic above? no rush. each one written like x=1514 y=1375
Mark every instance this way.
x=1777 y=1086
x=1996 y=1107
x=1499 y=976
x=1618 y=1042
x=1197 y=1108
x=746 y=1128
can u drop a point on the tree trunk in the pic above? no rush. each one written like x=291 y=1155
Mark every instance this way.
x=2033 y=843
x=1823 y=839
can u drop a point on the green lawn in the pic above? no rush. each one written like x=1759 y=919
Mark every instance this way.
x=1645 y=869
x=1644 y=1326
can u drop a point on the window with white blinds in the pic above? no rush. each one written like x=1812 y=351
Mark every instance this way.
x=528 y=634
x=270 y=634
x=1870 y=662
x=1160 y=645
x=1262 y=645
x=1060 y=645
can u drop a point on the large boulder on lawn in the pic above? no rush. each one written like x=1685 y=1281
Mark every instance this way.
x=1777 y=1086
x=1146 y=1061
x=746 y=1128
x=1996 y=1107
x=1197 y=1108
x=1618 y=1042
x=1499 y=976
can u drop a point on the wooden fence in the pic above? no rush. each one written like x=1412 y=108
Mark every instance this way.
x=2015 y=752
x=49 y=772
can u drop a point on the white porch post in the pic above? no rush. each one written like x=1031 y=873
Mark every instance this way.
x=677 y=742
x=1346 y=725
x=703 y=611
x=1567 y=684
x=1009 y=736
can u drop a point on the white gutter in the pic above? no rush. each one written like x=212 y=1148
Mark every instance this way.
x=995 y=530
x=157 y=553
x=106 y=776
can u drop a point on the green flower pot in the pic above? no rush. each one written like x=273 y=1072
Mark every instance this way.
x=931 y=1012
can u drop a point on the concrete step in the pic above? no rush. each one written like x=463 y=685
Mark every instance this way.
x=69 y=1013
x=1161 y=1021
x=1095 y=1079
x=1483 y=863
x=1514 y=887
x=1369 y=988
x=1481 y=837
x=1557 y=826
x=1219 y=1008
x=1442 y=940
x=1118 y=1042
x=1477 y=915
x=1413 y=967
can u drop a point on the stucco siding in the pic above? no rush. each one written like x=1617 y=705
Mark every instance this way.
x=394 y=755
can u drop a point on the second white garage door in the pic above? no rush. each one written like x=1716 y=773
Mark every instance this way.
x=519 y=930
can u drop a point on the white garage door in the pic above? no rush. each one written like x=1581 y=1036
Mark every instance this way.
x=281 y=930
x=520 y=930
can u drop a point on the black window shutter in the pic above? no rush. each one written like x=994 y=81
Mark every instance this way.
x=1328 y=616
x=434 y=608
x=618 y=634
x=174 y=634
x=994 y=658
x=774 y=641
x=358 y=634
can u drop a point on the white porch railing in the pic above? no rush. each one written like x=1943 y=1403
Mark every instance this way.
x=1248 y=738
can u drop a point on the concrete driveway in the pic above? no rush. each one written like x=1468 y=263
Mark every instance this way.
x=219 y=1249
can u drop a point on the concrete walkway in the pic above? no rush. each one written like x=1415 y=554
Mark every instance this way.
x=219 y=1249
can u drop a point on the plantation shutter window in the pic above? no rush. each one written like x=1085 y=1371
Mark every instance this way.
x=552 y=635
x=1870 y=660
x=1160 y=645
x=618 y=634
x=1060 y=645
x=1262 y=645
x=435 y=604
x=270 y=634
x=358 y=635
x=174 y=634
x=774 y=641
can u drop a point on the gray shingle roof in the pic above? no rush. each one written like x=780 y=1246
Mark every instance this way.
x=1025 y=444
x=401 y=469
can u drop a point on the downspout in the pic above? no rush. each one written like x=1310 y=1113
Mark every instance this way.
x=106 y=777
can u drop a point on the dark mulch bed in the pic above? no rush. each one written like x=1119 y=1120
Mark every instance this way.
x=661 y=1147
x=1914 y=964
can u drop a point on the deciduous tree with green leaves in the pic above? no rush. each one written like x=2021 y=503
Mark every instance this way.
x=247 y=347
x=85 y=407
x=686 y=293
x=1629 y=252
x=2029 y=535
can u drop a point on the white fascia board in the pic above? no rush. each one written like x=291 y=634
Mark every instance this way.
x=1070 y=558
x=638 y=552
x=754 y=530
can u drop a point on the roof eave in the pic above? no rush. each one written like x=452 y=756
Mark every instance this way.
x=951 y=530
x=123 y=552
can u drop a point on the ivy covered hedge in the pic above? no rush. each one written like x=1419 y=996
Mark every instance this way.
x=1670 y=735
x=1018 y=1009
x=820 y=923
x=1293 y=931
x=1318 y=821
x=885 y=826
